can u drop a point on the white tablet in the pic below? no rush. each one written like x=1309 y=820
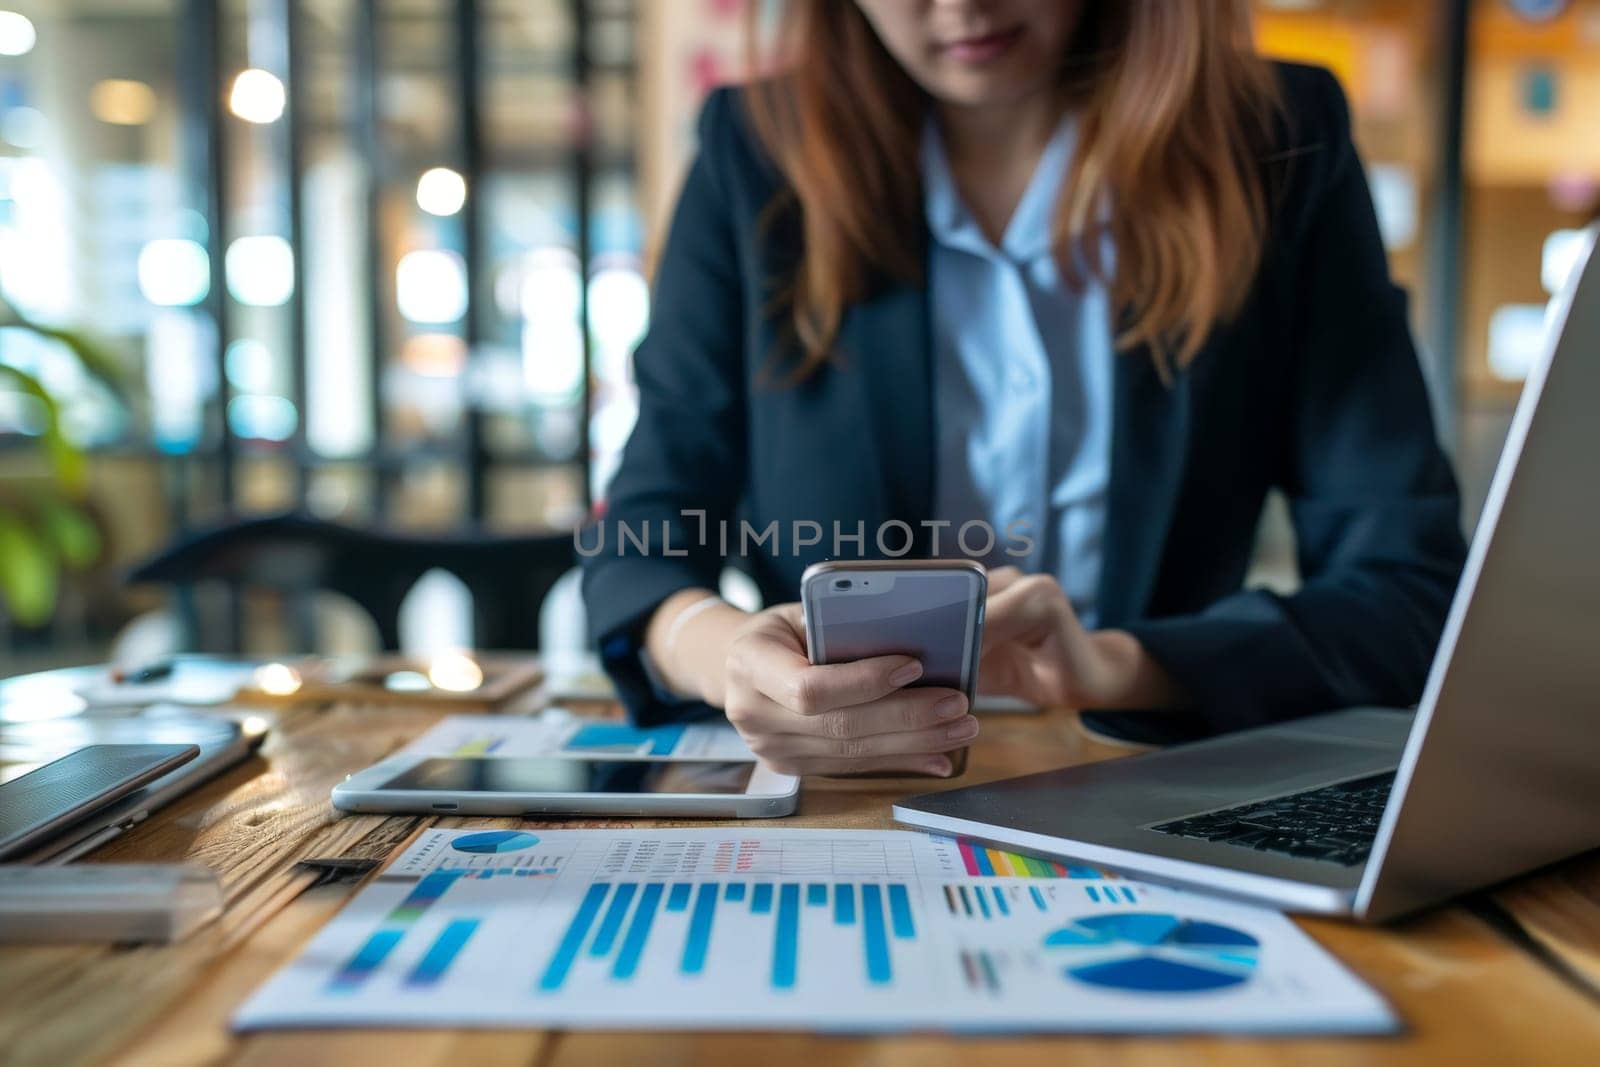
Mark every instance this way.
x=515 y=785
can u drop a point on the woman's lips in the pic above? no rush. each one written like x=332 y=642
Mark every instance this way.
x=982 y=49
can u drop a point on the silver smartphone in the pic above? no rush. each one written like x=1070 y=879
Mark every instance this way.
x=559 y=785
x=930 y=609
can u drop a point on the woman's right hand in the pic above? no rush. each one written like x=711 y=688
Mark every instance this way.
x=844 y=718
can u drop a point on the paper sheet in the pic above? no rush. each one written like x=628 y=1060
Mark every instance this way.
x=740 y=928
x=556 y=732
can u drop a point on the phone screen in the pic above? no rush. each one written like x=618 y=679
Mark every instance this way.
x=535 y=775
x=880 y=613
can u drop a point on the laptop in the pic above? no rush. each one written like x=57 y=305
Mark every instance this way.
x=1372 y=812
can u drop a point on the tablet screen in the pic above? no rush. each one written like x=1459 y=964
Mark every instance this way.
x=532 y=775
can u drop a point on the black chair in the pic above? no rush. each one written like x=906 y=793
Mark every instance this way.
x=293 y=554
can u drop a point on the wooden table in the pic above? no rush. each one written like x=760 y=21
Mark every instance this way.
x=1512 y=977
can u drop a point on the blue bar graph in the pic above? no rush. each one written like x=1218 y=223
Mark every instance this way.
x=370 y=956
x=694 y=949
x=786 y=945
x=424 y=894
x=614 y=925
x=1000 y=901
x=556 y=973
x=442 y=953
x=638 y=932
x=877 y=945
x=611 y=925
x=900 y=913
x=366 y=960
x=844 y=905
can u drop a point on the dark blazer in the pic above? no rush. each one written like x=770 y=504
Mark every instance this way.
x=1313 y=388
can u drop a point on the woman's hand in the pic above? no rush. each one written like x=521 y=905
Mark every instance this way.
x=1035 y=649
x=842 y=718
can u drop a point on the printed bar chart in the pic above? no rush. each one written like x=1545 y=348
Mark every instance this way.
x=616 y=922
x=759 y=929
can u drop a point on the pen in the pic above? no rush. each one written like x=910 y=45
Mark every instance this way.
x=150 y=672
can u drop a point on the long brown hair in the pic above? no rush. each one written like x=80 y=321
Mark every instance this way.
x=1174 y=123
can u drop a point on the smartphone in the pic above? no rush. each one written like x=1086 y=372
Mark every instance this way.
x=560 y=785
x=930 y=609
x=49 y=799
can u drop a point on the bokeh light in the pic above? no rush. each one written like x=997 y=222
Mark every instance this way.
x=431 y=286
x=258 y=96
x=441 y=191
x=122 y=102
x=260 y=270
x=174 y=272
x=17 y=35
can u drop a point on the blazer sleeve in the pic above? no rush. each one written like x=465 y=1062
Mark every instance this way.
x=687 y=450
x=1374 y=503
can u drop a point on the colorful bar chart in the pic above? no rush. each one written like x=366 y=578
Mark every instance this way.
x=981 y=861
x=831 y=931
x=615 y=922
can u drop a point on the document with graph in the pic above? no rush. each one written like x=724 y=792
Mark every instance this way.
x=854 y=931
x=557 y=732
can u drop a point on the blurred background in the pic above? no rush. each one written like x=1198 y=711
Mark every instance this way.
x=384 y=262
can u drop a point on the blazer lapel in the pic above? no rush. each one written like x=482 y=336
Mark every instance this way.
x=1149 y=445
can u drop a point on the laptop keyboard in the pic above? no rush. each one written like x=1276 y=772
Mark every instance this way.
x=1336 y=823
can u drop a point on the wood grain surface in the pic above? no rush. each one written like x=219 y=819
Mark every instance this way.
x=1468 y=990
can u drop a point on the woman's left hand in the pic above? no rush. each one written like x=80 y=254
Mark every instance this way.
x=1036 y=649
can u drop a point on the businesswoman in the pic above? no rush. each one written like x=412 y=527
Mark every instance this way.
x=1092 y=272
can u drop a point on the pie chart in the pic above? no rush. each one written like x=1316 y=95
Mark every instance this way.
x=1147 y=952
x=495 y=841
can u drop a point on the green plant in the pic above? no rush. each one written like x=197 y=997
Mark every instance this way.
x=45 y=525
